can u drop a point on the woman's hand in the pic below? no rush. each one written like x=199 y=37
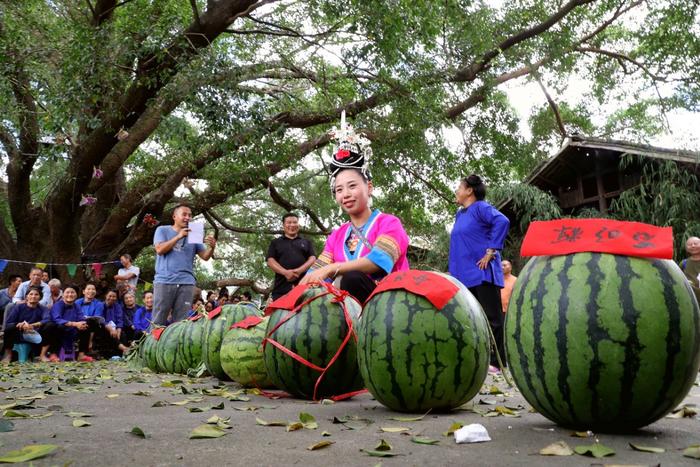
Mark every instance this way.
x=483 y=263
x=320 y=274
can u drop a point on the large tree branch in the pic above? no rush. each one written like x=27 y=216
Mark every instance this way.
x=245 y=283
x=471 y=71
x=553 y=105
x=153 y=72
x=279 y=199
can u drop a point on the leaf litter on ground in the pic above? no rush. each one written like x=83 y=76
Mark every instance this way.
x=28 y=453
x=560 y=448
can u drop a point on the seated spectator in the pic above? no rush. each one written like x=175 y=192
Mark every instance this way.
x=45 y=276
x=56 y=292
x=208 y=307
x=6 y=294
x=27 y=323
x=71 y=324
x=223 y=300
x=90 y=306
x=144 y=315
x=34 y=280
x=235 y=299
x=128 y=334
x=197 y=307
x=113 y=324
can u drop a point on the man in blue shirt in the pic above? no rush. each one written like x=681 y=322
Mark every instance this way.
x=173 y=285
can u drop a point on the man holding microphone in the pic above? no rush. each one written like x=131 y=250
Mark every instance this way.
x=173 y=285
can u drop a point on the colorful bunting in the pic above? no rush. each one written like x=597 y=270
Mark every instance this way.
x=41 y=266
x=3 y=265
x=97 y=267
x=72 y=268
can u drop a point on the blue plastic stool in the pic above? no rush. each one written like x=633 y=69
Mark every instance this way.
x=66 y=354
x=23 y=351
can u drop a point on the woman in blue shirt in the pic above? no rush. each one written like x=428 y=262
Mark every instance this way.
x=26 y=324
x=71 y=323
x=475 y=242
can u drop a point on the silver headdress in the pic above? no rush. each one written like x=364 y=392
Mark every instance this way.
x=353 y=151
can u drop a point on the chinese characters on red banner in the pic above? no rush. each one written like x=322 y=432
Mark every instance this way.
x=564 y=236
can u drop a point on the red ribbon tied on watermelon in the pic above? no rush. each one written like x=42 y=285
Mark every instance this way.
x=342 y=154
x=247 y=323
x=437 y=289
x=565 y=236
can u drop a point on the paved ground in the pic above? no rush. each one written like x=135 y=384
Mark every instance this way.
x=109 y=391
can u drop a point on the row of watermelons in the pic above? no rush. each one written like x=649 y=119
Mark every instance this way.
x=585 y=334
x=228 y=354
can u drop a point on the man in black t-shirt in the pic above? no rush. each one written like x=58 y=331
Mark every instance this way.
x=289 y=256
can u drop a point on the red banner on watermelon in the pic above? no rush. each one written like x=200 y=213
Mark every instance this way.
x=436 y=288
x=247 y=323
x=564 y=236
x=195 y=317
x=214 y=313
x=287 y=301
x=157 y=332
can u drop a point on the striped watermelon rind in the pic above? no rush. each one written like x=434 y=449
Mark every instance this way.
x=603 y=342
x=242 y=356
x=315 y=333
x=189 y=351
x=147 y=350
x=214 y=330
x=167 y=348
x=415 y=358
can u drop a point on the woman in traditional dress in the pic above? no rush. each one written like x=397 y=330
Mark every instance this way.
x=475 y=243
x=372 y=244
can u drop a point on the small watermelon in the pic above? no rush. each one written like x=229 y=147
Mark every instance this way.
x=315 y=334
x=603 y=342
x=414 y=357
x=242 y=355
x=215 y=326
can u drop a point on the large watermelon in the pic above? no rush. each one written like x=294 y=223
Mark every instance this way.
x=315 y=333
x=167 y=348
x=189 y=350
x=603 y=342
x=414 y=357
x=214 y=330
x=242 y=356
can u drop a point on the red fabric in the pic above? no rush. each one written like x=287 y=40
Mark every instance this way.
x=97 y=267
x=195 y=317
x=564 y=236
x=247 y=323
x=437 y=289
x=287 y=301
x=214 y=313
x=342 y=154
x=157 y=332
